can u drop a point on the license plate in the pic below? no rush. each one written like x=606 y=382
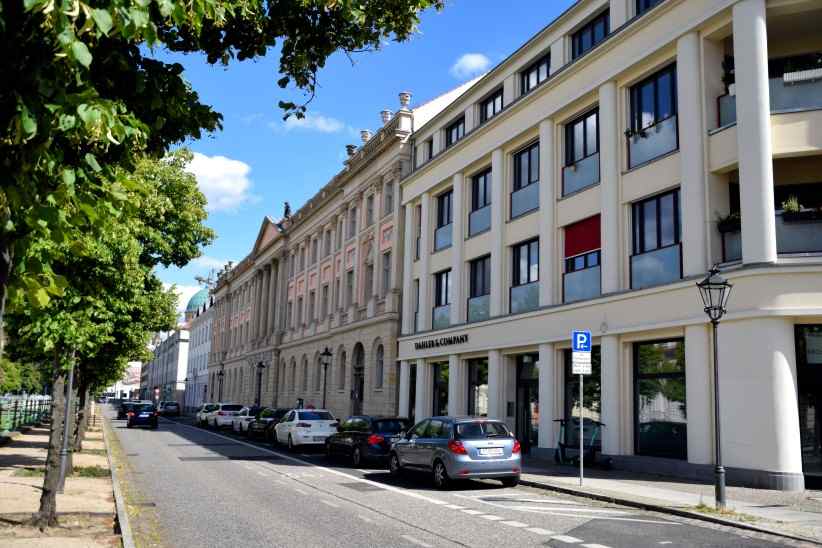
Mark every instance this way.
x=491 y=452
x=319 y=438
x=143 y=415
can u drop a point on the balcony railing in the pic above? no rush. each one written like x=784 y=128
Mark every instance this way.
x=524 y=200
x=442 y=317
x=479 y=308
x=479 y=220
x=797 y=93
x=524 y=297
x=657 y=267
x=731 y=246
x=580 y=175
x=582 y=284
x=442 y=237
x=795 y=233
x=653 y=142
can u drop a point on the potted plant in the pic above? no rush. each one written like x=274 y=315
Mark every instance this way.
x=791 y=209
x=732 y=222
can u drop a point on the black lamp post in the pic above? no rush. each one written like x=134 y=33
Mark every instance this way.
x=220 y=375
x=325 y=357
x=715 y=291
x=260 y=367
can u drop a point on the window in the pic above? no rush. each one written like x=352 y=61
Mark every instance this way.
x=535 y=74
x=444 y=208
x=644 y=5
x=324 y=302
x=327 y=243
x=418 y=224
x=304 y=386
x=339 y=234
x=312 y=299
x=654 y=99
x=349 y=288
x=318 y=375
x=526 y=167
x=659 y=399
x=289 y=313
x=590 y=35
x=583 y=261
x=480 y=277
x=337 y=292
x=592 y=397
x=341 y=372
x=442 y=288
x=656 y=222
x=352 y=222
x=478 y=387
x=526 y=263
x=378 y=367
x=388 y=198
x=315 y=247
x=481 y=190
x=291 y=264
x=386 y=274
x=301 y=264
x=428 y=146
x=369 y=210
x=491 y=106
x=455 y=132
x=369 y=281
x=416 y=305
x=582 y=137
x=299 y=311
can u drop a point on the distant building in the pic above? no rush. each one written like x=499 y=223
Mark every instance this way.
x=199 y=316
x=128 y=386
x=163 y=378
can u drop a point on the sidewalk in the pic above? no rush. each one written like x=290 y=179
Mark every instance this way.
x=792 y=514
x=86 y=509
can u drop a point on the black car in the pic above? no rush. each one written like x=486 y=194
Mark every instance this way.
x=364 y=438
x=263 y=424
x=125 y=407
x=142 y=414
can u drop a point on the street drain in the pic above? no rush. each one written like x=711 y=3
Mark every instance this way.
x=362 y=487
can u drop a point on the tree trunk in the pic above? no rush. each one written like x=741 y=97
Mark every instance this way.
x=72 y=430
x=84 y=407
x=47 y=515
x=6 y=258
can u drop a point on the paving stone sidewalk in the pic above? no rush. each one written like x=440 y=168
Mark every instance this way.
x=791 y=513
x=86 y=509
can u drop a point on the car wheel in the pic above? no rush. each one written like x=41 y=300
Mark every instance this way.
x=290 y=444
x=510 y=482
x=356 y=457
x=394 y=466
x=440 y=475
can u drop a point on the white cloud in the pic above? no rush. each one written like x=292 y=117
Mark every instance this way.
x=207 y=263
x=184 y=293
x=470 y=65
x=313 y=121
x=224 y=181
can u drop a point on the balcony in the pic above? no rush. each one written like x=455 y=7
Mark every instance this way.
x=524 y=297
x=652 y=142
x=580 y=175
x=524 y=200
x=443 y=237
x=479 y=221
x=582 y=284
x=796 y=233
x=792 y=92
x=442 y=317
x=657 y=267
x=479 y=308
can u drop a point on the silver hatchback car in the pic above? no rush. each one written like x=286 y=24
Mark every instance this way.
x=453 y=448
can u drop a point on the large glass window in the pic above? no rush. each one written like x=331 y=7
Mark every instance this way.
x=479 y=220
x=444 y=209
x=591 y=398
x=478 y=387
x=582 y=137
x=526 y=263
x=659 y=402
x=591 y=34
x=644 y=5
x=809 y=384
x=656 y=236
x=442 y=288
x=654 y=99
x=535 y=74
x=455 y=132
x=491 y=106
x=525 y=195
x=480 y=276
x=440 y=408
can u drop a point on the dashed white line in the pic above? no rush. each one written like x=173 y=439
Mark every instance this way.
x=472 y=512
x=566 y=539
x=331 y=504
x=514 y=523
x=665 y=542
x=540 y=531
x=595 y=546
x=455 y=506
x=364 y=471
x=491 y=517
x=416 y=541
x=300 y=491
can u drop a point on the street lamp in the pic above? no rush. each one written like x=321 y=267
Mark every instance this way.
x=325 y=357
x=220 y=375
x=260 y=367
x=185 y=395
x=715 y=291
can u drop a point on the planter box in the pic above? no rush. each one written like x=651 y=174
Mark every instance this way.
x=799 y=216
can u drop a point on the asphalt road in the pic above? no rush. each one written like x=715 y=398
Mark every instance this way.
x=216 y=489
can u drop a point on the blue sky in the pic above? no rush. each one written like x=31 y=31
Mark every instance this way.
x=257 y=161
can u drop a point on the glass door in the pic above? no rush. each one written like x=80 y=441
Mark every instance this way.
x=440 y=374
x=809 y=366
x=527 y=417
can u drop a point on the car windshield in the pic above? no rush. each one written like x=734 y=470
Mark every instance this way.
x=144 y=407
x=315 y=416
x=481 y=430
x=210 y=407
x=232 y=407
x=391 y=426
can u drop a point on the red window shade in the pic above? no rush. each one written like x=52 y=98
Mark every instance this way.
x=582 y=236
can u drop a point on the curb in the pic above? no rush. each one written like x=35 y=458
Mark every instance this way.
x=666 y=510
x=119 y=501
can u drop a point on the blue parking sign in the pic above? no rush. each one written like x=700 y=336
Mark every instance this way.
x=581 y=341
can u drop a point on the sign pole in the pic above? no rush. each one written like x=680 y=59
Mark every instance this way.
x=581 y=365
x=581 y=422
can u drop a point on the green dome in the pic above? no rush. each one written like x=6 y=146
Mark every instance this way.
x=197 y=300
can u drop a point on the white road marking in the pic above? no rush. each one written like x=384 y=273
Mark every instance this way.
x=491 y=517
x=366 y=519
x=472 y=512
x=454 y=506
x=665 y=542
x=331 y=504
x=300 y=491
x=566 y=539
x=514 y=523
x=540 y=531
x=416 y=541
x=364 y=471
x=595 y=546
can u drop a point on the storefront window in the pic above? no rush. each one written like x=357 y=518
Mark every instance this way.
x=478 y=387
x=591 y=399
x=527 y=419
x=809 y=369
x=659 y=386
x=440 y=390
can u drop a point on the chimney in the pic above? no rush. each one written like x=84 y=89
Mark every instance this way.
x=405 y=99
x=365 y=135
x=351 y=150
x=386 y=116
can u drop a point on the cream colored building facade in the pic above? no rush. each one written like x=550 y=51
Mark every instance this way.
x=587 y=182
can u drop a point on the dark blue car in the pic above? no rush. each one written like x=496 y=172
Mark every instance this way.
x=143 y=414
x=364 y=438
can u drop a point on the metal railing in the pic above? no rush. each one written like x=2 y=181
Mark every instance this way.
x=20 y=411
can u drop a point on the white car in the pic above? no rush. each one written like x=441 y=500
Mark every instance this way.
x=240 y=421
x=305 y=427
x=202 y=415
x=223 y=414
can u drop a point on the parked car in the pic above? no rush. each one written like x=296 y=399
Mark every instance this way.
x=169 y=409
x=364 y=438
x=240 y=421
x=142 y=414
x=202 y=415
x=263 y=424
x=125 y=407
x=459 y=448
x=305 y=427
x=223 y=414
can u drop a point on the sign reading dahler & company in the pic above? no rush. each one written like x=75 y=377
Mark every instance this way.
x=442 y=341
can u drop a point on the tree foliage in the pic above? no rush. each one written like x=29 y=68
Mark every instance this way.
x=20 y=377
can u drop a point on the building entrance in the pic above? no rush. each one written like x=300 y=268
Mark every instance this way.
x=527 y=417
x=809 y=373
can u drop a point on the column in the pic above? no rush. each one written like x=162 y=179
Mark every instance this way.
x=609 y=187
x=496 y=386
x=458 y=292
x=425 y=266
x=547 y=403
x=611 y=394
x=547 y=196
x=692 y=156
x=405 y=389
x=407 y=270
x=498 y=206
x=699 y=393
x=259 y=304
x=266 y=301
x=754 y=132
x=457 y=386
x=281 y=301
x=424 y=404
x=397 y=251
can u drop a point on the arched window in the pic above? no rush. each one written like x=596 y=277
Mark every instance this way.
x=293 y=375
x=240 y=387
x=318 y=374
x=305 y=375
x=341 y=371
x=378 y=366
